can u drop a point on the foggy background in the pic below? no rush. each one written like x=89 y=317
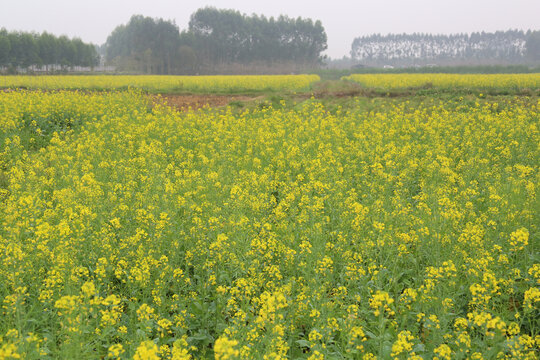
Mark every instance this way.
x=343 y=21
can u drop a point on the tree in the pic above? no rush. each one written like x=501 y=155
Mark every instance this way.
x=215 y=38
x=47 y=48
x=23 y=50
x=5 y=48
x=503 y=47
x=227 y=36
x=532 y=46
x=145 y=44
x=186 y=60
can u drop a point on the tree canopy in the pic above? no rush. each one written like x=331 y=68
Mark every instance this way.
x=23 y=50
x=144 y=44
x=501 y=47
x=215 y=38
x=229 y=36
x=532 y=46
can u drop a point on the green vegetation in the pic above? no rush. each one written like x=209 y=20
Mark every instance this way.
x=43 y=51
x=501 y=47
x=336 y=74
x=217 y=42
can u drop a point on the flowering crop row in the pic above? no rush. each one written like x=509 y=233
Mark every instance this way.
x=162 y=83
x=392 y=229
x=447 y=80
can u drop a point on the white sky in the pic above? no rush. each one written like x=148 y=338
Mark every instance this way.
x=93 y=20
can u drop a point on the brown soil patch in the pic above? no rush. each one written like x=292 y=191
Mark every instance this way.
x=194 y=102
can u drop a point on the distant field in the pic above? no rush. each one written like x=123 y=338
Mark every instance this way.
x=165 y=83
x=227 y=84
x=501 y=81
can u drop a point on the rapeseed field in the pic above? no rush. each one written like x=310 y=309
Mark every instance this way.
x=162 y=83
x=388 y=229
x=501 y=81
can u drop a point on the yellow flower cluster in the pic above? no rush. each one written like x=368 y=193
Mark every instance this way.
x=391 y=81
x=162 y=83
x=381 y=303
x=519 y=239
x=147 y=351
x=225 y=349
x=386 y=228
x=403 y=345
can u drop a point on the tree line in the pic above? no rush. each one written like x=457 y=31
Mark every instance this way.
x=501 y=47
x=216 y=41
x=23 y=50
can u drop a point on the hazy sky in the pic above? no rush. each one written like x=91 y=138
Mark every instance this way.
x=93 y=20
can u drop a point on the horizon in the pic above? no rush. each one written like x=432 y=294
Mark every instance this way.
x=343 y=20
x=329 y=57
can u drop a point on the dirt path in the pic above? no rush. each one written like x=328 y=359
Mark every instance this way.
x=185 y=102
